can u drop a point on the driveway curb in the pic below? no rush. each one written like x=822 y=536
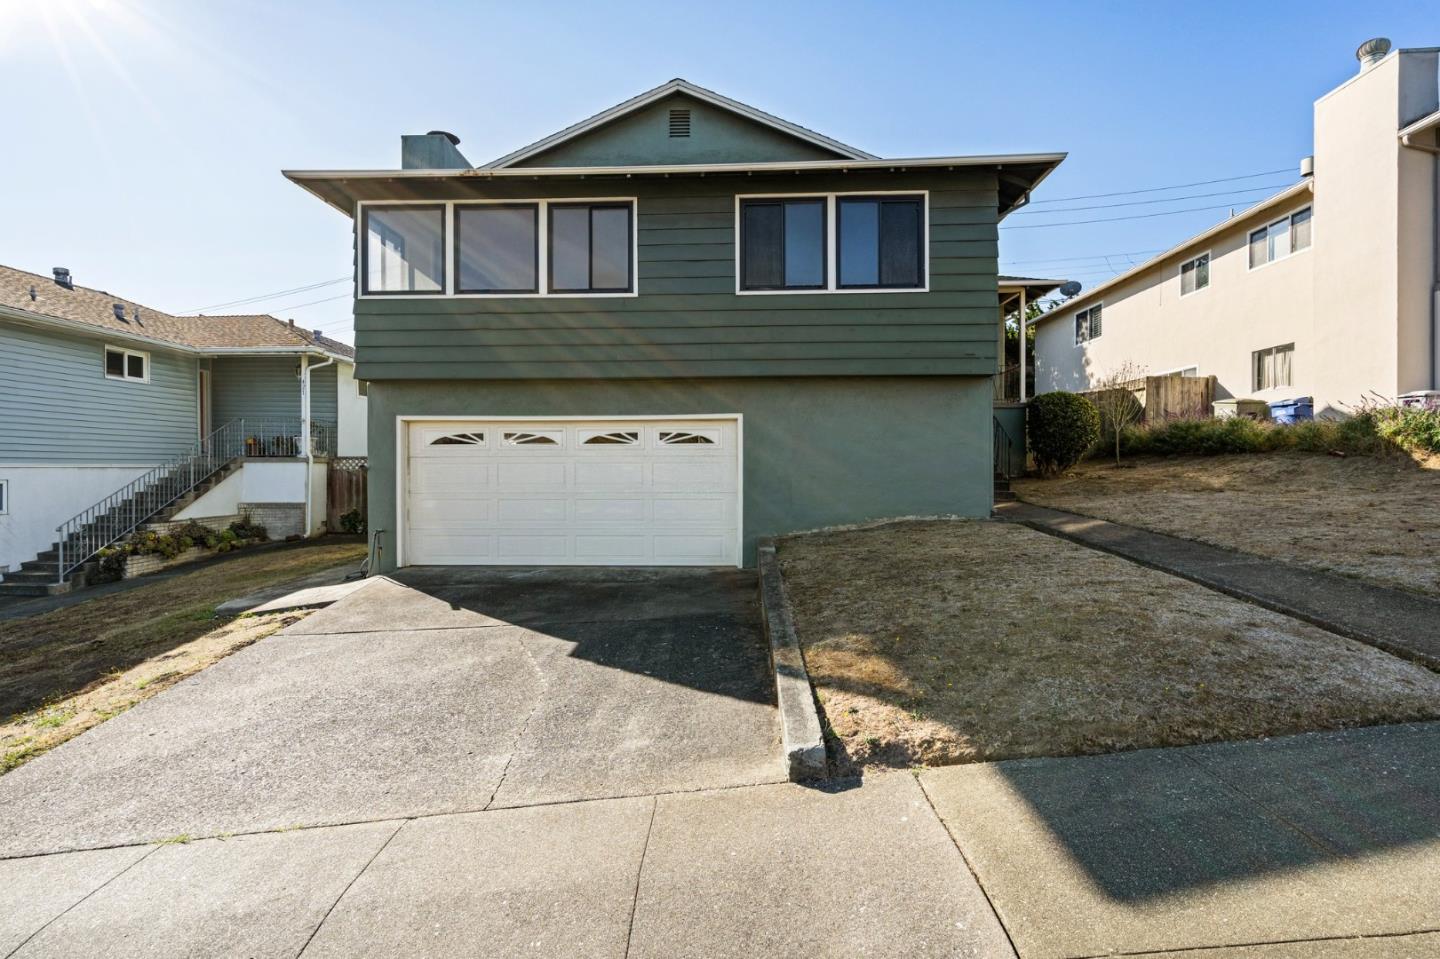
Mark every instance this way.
x=800 y=730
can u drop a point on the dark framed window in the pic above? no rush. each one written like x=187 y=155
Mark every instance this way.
x=403 y=249
x=591 y=248
x=782 y=244
x=880 y=242
x=497 y=248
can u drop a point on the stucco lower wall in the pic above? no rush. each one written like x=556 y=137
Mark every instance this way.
x=42 y=497
x=817 y=451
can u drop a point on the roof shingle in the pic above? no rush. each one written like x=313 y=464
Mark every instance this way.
x=33 y=293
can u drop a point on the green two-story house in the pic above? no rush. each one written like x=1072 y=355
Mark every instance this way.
x=669 y=330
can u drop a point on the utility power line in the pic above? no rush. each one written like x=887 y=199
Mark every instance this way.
x=1161 y=189
x=1095 y=256
x=1116 y=219
x=269 y=296
x=1166 y=199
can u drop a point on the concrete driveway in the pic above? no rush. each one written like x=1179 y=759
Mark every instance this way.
x=443 y=691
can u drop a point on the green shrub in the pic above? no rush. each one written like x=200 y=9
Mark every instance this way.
x=352 y=522
x=1060 y=427
x=1357 y=436
x=1414 y=430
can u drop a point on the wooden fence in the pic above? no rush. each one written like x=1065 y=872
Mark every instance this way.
x=1176 y=397
x=345 y=489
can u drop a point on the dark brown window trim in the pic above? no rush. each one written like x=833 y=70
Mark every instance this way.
x=534 y=208
x=629 y=209
x=364 y=278
x=781 y=201
x=924 y=254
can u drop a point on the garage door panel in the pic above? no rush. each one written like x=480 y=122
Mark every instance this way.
x=609 y=474
x=430 y=513
x=596 y=548
x=622 y=492
x=512 y=510
x=527 y=475
x=706 y=474
x=524 y=548
x=611 y=510
x=432 y=476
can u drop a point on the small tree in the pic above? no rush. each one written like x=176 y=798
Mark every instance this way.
x=1114 y=397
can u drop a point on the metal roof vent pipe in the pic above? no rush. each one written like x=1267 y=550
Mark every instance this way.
x=62 y=277
x=1372 y=52
x=1307 y=167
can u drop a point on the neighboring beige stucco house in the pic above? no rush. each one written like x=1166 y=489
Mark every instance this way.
x=1327 y=289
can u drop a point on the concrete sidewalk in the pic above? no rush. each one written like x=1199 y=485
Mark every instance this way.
x=1396 y=621
x=1321 y=845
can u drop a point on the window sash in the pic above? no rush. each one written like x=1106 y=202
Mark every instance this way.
x=768 y=248
x=1274 y=367
x=129 y=365
x=386 y=268
x=1195 y=274
x=899 y=242
x=1089 y=324
x=1282 y=237
x=484 y=257
x=589 y=253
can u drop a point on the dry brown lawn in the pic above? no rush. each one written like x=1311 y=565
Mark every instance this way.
x=936 y=642
x=1376 y=519
x=65 y=671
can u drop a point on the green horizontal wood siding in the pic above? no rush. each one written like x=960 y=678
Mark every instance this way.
x=688 y=320
x=259 y=387
x=59 y=407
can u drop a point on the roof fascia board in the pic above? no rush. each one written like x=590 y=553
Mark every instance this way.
x=1199 y=239
x=666 y=89
x=89 y=329
x=769 y=166
x=106 y=333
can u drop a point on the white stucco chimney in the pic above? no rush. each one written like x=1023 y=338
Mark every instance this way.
x=1372 y=52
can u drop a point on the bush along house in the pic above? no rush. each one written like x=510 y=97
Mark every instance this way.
x=669 y=330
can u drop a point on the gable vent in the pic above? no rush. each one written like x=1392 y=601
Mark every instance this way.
x=679 y=123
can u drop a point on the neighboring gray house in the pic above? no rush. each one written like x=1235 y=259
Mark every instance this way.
x=669 y=330
x=110 y=401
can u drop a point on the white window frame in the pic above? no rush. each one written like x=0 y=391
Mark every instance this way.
x=1209 y=263
x=4 y=497
x=1076 y=315
x=126 y=377
x=1274 y=351
x=1250 y=235
x=832 y=241
x=542 y=238
x=1180 y=370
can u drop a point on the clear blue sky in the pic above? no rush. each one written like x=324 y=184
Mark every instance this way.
x=144 y=138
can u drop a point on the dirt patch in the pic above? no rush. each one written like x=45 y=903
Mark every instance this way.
x=932 y=643
x=1375 y=519
x=55 y=655
x=27 y=735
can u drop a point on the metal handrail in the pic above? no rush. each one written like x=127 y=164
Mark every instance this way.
x=125 y=510
x=281 y=437
x=1002 y=453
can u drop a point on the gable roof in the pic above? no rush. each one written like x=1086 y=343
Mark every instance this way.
x=36 y=298
x=1187 y=246
x=664 y=90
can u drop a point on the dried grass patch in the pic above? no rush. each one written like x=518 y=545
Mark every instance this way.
x=1375 y=519
x=933 y=643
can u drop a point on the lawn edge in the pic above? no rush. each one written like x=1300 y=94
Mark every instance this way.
x=802 y=737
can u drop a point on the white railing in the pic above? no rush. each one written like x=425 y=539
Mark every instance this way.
x=118 y=515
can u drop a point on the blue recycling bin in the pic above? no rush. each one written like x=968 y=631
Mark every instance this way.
x=1293 y=411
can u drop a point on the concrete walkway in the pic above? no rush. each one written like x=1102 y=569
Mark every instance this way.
x=1323 y=845
x=1396 y=621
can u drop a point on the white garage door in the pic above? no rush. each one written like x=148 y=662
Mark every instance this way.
x=547 y=492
